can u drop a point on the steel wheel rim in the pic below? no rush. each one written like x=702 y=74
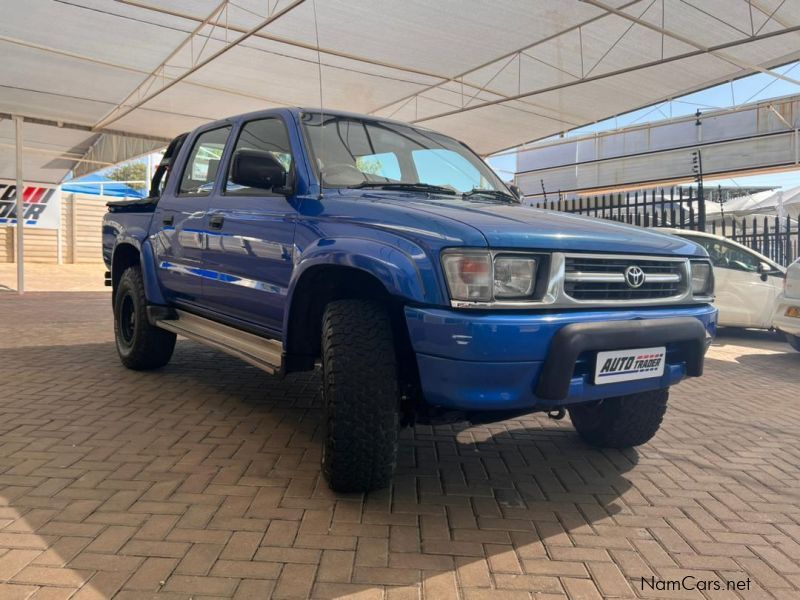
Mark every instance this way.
x=127 y=320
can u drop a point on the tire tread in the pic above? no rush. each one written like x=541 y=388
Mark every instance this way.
x=622 y=421
x=360 y=390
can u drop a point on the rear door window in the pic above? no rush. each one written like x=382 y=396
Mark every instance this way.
x=201 y=169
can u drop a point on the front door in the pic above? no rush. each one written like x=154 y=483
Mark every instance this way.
x=181 y=219
x=249 y=251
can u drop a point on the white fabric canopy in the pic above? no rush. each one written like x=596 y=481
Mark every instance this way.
x=494 y=74
x=770 y=202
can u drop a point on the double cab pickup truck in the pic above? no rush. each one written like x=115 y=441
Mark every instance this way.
x=394 y=258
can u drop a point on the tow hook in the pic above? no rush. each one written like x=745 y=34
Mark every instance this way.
x=556 y=414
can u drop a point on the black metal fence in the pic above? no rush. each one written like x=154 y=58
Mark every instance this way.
x=774 y=237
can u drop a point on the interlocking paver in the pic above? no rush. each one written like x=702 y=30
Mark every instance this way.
x=202 y=480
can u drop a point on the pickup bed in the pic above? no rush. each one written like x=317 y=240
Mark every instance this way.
x=394 y=258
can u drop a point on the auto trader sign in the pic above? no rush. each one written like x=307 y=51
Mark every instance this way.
x=42 y=205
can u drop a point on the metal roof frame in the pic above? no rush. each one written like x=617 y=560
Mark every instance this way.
x=436 y=95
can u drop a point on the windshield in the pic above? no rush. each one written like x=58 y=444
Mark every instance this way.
x=352 y=152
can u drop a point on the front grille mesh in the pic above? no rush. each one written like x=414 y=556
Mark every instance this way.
x=580 y=270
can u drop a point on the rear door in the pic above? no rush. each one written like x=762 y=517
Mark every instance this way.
x=251 y=236
x=181 y=217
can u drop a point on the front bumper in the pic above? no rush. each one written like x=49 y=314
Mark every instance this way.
x=511 y=361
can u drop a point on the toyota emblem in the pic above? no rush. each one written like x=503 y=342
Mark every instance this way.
x=634 y=276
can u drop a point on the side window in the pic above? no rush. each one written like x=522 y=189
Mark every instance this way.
x=728 y=256
x=200 y=172
x=265 y=135
x=741 y=260
x=713 y=247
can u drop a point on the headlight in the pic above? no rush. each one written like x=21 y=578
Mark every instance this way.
x=514 y=277
x=702 y=278
x=478 y=276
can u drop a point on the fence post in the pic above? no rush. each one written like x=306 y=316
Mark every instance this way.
x=73 y=223
x=619 y=205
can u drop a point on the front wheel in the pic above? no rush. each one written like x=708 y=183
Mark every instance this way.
x=140 y=345
x=622 y=421
x=361 y=395
x=794 y=341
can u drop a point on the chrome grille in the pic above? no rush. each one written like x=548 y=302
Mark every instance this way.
x=589 y=278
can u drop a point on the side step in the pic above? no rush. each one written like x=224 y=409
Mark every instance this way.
x=260 y=352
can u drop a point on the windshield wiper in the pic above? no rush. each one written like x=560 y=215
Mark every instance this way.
x=500 y=195
x=411 y=187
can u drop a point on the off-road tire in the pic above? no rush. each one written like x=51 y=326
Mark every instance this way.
x=794 y=341
x=361 y=396
x=622 y=421
x=140 y=345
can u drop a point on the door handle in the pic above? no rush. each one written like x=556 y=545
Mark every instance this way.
x=168 y=219
x=216 y=221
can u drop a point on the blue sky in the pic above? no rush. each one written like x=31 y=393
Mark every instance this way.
x=748 y=89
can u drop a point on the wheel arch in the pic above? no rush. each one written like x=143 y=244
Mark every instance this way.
x=324 y=283
x=125 y=256
x=317 y=286
x=130 y=252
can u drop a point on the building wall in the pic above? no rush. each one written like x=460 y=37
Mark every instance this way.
x=81 y=234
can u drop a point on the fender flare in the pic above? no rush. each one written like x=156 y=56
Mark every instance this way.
x=400 y=274
x=147 y=263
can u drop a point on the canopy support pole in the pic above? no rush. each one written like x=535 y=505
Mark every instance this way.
x=20 y=207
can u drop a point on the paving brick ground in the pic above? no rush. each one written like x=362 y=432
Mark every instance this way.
x=202 y=480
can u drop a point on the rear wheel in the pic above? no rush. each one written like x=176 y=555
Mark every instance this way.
x=622 y=421
x=794 y=341
x=140 y=345
x=361 y=395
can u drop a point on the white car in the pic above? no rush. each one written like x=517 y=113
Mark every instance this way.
x=787 y=313
x=747 y=284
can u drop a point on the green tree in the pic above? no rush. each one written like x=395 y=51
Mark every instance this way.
x=135 y=171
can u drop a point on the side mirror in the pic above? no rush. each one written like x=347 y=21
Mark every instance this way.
x=516 y=191
x=764 y=269
x=257 y=169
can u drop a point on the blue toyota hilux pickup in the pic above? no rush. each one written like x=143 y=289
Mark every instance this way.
x=396 y=259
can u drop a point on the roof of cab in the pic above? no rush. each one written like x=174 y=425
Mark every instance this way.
x=297 y=111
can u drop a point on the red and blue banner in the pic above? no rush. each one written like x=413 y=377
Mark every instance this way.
x=42 y=205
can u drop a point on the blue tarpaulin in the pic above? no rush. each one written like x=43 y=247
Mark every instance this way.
x=91 y=185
